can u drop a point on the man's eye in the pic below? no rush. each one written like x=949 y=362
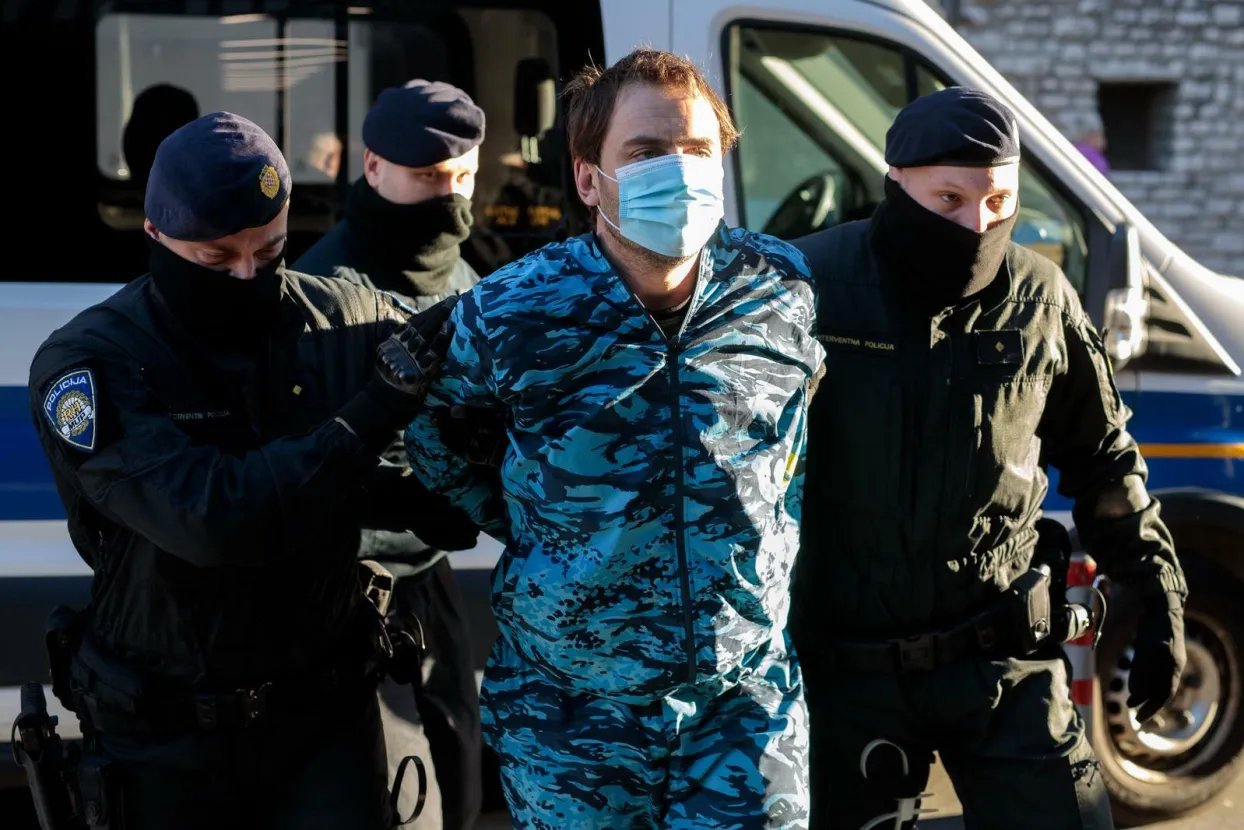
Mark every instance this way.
x=950 y=198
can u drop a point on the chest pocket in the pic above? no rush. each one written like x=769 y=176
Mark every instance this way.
x=855 y=436
x=1006 y=403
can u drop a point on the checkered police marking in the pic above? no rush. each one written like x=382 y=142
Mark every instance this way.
x=69 y=406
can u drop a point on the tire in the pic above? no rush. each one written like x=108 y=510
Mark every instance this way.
x=1169 y=770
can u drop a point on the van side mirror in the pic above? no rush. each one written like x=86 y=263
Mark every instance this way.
x=535 y=98
x=1127 y=308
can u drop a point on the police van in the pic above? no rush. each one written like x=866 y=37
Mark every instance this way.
x=813 y=84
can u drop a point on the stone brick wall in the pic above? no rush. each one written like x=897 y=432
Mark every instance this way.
x=1057 y=51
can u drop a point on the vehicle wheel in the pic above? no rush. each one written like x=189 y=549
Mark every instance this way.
x=1194 y=748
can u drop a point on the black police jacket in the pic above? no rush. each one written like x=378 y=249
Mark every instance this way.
x=216 y=498
x=929 y=439
x=344 y=254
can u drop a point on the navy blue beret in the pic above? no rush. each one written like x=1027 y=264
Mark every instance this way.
x=955 y=127
x=216 y=176
x=423 y=123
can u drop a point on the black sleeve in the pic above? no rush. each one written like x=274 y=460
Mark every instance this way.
x=1085 y=437
x=396 y=500
x=199 y=503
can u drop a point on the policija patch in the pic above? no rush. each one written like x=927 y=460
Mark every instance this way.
x=69 y=406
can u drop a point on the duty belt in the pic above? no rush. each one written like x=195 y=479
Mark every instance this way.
x=1024 y=620
x=924 y=652
x=243 y=707
x=115 y=699
x=980 y=636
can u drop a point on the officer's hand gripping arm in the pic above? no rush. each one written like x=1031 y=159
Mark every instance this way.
x=406 y=365
x=213 y=507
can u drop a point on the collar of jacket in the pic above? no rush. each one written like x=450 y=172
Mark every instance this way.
x=987 y=299
x=718 y=254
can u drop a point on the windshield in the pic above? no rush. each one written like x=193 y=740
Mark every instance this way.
x=815 y=108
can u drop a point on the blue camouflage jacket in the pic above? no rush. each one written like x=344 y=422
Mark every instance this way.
x=646 y=495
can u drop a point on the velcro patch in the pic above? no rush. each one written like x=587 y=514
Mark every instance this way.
x=69 y=406
x=999 y=348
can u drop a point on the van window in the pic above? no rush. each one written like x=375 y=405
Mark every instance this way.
x=814 y=108
x=308 y=77
x=777 y=159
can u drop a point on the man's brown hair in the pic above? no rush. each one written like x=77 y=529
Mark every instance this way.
x=593 y=92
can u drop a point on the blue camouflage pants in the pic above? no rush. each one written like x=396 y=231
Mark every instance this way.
x=738 y=759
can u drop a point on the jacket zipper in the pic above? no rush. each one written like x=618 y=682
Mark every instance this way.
x=680 y=542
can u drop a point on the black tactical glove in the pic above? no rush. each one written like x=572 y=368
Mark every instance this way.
x=448 y=528
x=1158 y=656
x=396 y=500
x=472 y=433
x=406 y=365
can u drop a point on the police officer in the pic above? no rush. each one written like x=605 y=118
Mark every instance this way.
x=958 y=364
x=213 y=429
x=405 y=220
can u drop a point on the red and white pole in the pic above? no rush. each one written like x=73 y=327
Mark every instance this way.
x=1080 y=575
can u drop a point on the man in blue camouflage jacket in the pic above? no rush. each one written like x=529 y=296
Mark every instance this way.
x=653 y=379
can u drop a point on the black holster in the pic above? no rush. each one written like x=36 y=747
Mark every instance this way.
x=1027 y=605
x=1054 y=551
x=398 y=643
x=73 y=787
x=62 y=634
x=37 y=749
x=99 y=787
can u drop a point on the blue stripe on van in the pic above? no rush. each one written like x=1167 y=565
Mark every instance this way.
x=26 y=488
x=1178 y=418
x=1181 y=418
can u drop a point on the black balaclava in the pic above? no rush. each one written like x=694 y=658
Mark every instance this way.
x=418 y=124
x=423 y=240
x=225 y=312
x=933 y=261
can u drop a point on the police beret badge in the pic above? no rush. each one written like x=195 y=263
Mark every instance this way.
x=69 y=406
x=269 y=181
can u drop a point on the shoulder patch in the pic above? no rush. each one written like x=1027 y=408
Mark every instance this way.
x=69 y=406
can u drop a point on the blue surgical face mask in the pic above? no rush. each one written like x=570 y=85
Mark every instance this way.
x=671 y=204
